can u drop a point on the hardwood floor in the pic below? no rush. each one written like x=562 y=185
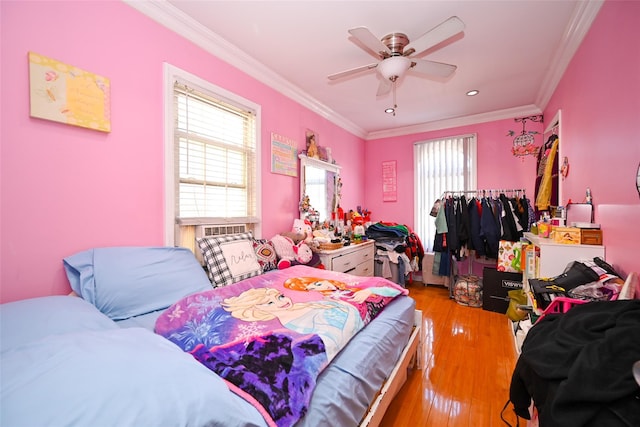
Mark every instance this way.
x=468 y=359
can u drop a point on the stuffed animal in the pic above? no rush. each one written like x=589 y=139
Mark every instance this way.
x=303 y=227
x=289 y=252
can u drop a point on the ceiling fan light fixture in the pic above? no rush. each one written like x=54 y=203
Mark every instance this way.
x=473 y=92
x=394 y=66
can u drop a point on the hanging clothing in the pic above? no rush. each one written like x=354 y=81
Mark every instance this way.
x=510 y=222
x=452 y=225
x=532 y=215
x=547 y=179
x=475 y=240
x=462 y=213
x=489 y=229
x=522 y=212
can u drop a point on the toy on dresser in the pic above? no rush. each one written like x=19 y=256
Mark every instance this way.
x=292 y=248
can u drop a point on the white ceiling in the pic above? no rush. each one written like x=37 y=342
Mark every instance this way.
x=513 y=51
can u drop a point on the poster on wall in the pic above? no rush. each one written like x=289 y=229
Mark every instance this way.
x=66 y=94
x=389 y=181
x=284 y=155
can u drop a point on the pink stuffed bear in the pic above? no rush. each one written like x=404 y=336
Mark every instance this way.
x=288 y=252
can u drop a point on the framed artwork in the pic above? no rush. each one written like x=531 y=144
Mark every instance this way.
x=63 y=93
x=284 y=158
x=389 y=181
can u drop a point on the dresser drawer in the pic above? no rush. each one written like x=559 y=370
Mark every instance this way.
x=355 y=259
x=349 y=261
x=364 y=269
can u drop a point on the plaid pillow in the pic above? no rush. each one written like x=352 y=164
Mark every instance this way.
x=229 y=258
x=266 y=254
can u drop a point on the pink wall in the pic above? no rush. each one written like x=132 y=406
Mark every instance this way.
x=64 y=189
x=599 y=96
x=497 y=167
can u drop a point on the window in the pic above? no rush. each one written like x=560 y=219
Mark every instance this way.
x=447 y=164
x=212 y=153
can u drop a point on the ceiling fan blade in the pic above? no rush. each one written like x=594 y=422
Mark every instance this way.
x=352 y=71
x=432 y=68
x=438 y=34
x=384 y=87
x=367 y=38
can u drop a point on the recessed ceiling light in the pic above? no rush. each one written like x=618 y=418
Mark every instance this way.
x=473 y=92
x=390 y=110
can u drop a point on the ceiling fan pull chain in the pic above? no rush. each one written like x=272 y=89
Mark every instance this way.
x=395 y=104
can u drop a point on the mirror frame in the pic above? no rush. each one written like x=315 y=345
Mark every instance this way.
x=316 y=163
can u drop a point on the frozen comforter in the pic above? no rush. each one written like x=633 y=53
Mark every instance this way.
x=270 y=336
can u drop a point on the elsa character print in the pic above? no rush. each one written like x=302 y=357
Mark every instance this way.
x=333 y=321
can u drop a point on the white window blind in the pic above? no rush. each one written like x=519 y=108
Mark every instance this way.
x=215 y=159
x=441 y=165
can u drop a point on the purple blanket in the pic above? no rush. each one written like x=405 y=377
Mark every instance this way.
x=270 y=336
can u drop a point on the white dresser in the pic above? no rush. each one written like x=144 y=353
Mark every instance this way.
x=353 y=259
x=554 y=257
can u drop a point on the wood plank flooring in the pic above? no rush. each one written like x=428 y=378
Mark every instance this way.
x=468 y=356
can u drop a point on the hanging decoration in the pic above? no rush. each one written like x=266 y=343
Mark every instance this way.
x=524 y=144
x=564 y=169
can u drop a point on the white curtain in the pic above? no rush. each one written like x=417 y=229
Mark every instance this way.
x=446 y=164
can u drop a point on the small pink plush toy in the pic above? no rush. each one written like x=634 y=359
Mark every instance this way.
x=289 y=252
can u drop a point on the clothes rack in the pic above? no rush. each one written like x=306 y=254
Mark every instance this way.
x=478 y=193
x=484 y=192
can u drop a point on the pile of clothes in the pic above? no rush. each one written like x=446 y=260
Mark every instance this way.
x=577 y=367
x=399 y=250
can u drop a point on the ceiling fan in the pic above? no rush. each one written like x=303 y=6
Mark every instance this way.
x=395 y=52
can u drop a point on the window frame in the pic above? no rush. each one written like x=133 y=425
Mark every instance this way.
x=171 y=75
x=423 y=203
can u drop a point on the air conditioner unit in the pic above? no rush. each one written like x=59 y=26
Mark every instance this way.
x=209 y=230
x=219 y=230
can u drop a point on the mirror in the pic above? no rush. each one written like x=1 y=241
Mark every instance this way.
x=318 y=181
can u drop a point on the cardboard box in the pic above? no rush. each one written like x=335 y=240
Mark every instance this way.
x=590 y=236
x=495 y=287
x=567 y=235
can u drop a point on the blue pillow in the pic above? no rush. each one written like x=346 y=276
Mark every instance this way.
x=123 y=282
x=22 y=322
x=123 y=377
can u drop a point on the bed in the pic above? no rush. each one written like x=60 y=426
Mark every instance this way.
x=102 y=360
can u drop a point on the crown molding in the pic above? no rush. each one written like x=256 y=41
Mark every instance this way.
x=172 y=18
x=177 y=21
x=584 y=14
x=509 y=113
